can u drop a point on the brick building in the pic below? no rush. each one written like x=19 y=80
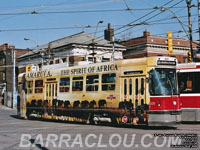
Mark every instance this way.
x=148 y=45
x=6 y=71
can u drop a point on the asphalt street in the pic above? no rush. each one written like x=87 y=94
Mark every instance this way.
x=16 y=133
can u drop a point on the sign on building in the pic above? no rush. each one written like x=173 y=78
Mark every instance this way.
x=170 y=43
x=28 y=68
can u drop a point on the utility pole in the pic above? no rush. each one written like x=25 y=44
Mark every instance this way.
x=199 y=23
x=190 y=27
x=14 y=88
x=93 y=43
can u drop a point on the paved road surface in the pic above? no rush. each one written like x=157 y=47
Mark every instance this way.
x=20 y=134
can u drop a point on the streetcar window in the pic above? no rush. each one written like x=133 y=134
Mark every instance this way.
x=29 y=87
x=125 y=87
x=142 y=86
x=130 y=87
x=77 y=84
x=108 y=81
x=92 y=83
x=189 y=82
x=136 y=86
x=38 y=86
x=64 y=84
x=163 y=82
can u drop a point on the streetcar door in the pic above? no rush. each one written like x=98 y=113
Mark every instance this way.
x=51 y=91
x=133 y=91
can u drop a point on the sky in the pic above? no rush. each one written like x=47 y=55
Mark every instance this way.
x=44 y=21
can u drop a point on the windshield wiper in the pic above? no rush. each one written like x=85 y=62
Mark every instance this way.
x=171 y=86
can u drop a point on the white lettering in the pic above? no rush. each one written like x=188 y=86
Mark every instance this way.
x=87 y=138
x=25 y=140
x=126 y=139
x=142 y=140
x=117 y=143
x=64 y=138
x=77 y=141
x=51 y=138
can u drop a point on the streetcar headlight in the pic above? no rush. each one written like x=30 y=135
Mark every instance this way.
x=174 y=102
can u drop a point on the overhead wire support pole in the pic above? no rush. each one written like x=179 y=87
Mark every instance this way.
x=189 y=35
x=13 y=81
x=93 y=41
x=190 y=27
x=199 y=23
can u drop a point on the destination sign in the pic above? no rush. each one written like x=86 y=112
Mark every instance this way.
x=164 y=62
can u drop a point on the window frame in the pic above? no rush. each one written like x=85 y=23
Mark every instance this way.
x=111 y=85
x=93 y=84
x=67 y=86
x=78 y=79
x=39 y=89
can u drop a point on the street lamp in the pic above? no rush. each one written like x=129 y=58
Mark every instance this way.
x=42 y=52
x=93 y=41
x=83 y=27
x=182 y=24
x=27 y=39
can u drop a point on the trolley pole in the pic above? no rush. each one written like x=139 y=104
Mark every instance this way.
x=190 y=27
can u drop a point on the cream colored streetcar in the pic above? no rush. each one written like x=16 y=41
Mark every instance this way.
x=139 y=91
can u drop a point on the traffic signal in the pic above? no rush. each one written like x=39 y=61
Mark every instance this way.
x=189 y=56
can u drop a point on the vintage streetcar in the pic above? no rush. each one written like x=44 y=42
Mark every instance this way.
x=189 y=87
x=139 y=91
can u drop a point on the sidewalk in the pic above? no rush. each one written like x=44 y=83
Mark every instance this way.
x=2 y=107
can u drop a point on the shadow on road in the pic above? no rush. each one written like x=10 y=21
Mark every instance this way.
x=38 y=145
x=142 y=127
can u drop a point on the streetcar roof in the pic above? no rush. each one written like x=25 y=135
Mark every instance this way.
x=188 y=66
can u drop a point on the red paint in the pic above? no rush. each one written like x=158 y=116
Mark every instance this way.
x=164 y=103
x=124 y=119
x=190 y=101
x=111 y=97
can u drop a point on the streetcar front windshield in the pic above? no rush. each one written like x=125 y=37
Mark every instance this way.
x=163 y=82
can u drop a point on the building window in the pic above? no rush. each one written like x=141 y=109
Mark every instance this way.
x=39 y=65
x=64 y=60
x=91 y=59
x=57 y=61
x=64 y=84
x=105 y=59
x=185 y=59
x=4 y=76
